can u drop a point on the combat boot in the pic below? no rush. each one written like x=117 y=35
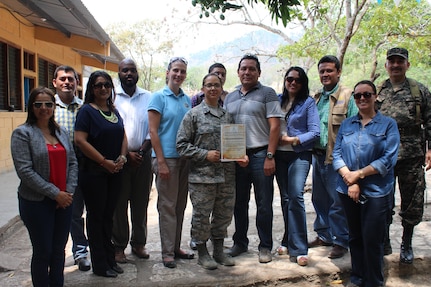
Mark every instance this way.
x=204 y=258
x=219 y=256
x=406 y=252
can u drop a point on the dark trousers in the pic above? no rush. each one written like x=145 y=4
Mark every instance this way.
x=80 y=243
x=367 y=224
x=136 y=190
x=100 y=191
x=48 y=227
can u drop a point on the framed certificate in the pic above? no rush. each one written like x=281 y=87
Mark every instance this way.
x=232 y=142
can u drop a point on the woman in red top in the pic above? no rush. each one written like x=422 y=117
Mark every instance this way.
x=45 y=162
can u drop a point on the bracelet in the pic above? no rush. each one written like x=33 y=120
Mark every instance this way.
x=124 y=158
x=361 y=174
x=102 y=162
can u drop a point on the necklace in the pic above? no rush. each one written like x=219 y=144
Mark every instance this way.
x=111 y=118
x=50 y=141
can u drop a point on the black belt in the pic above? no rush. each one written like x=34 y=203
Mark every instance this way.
x=410 y=131
x=251 y=151
x=319 y=151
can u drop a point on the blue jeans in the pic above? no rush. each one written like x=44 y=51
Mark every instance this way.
x=80 y=242
x=291 y=173
x=263 y=193
x=367 y=227
x=330 y=223
x=48 y=228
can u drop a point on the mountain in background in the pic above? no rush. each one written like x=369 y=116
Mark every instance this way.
x=256 y=42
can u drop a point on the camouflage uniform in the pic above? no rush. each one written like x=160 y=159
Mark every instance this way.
x=211 y=185
x=401 y=106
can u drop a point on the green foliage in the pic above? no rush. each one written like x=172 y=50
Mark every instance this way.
x=279 y=9
x=148 y=43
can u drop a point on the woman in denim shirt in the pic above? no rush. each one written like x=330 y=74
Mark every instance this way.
x=365 y=154
x=299 y=130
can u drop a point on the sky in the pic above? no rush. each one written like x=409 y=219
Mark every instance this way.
x=115 y=11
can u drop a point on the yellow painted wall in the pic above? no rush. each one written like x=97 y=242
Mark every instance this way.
x=19 y=33
x=8 y=122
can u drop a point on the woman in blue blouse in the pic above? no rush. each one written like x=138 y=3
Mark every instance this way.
x=365 y=154
x=100 y=136
x=299 y=130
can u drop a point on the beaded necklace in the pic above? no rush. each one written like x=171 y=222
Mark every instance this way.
x=111 y=118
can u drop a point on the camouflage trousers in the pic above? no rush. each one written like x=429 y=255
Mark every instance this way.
x=212 y=210
x=411 y=183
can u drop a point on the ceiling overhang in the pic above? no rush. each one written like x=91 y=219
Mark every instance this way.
x=69 y=23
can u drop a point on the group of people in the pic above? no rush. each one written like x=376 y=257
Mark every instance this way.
x=103 y=152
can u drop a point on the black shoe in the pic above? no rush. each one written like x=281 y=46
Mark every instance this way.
x=337 y=252
x=117 y=269
x=193 y=244
x=318 y=242
x=182 y=254
x=83 y=264
x=237 y=250
x=170 y=264
x=108 y=273
x=406 y=254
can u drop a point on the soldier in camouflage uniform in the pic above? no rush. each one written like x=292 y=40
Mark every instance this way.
x=409 y=103
x=211 y=182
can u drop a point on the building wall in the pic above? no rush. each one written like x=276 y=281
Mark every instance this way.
x=17 y=32
x=8 y=122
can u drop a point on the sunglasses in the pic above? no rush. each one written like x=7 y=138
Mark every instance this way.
x=291 y=79
x=99 y=86
x=48 y=105
x=366 y=95
x=176 y=59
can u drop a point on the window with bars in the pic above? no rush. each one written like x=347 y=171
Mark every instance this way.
x=10 y=79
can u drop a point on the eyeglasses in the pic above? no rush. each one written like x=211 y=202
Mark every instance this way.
x=176 y=59
x=48 y=105
x=366 y=95
x=99 y=86
x=215 y=86
x=291 y=79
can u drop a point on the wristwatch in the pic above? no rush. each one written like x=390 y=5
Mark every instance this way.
x=269 y=155
x=361 y=174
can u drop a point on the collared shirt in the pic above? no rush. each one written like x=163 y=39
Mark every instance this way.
x=65 y=114
x=133 y=110
x=324 y=110
x=375 y=144
x=253 y=109
x=172 y=109
x=302 y=122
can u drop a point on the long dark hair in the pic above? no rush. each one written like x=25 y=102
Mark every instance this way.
x=89 y=93
x=303 y=92
x=31 y=117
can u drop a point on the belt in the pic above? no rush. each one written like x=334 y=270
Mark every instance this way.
x=319 y=151
x=251 y=151
x=410 y=131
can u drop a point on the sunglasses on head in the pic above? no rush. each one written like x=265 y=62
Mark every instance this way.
x=366 y=95
x=176 y=59
x=48 y=105
x=291 y=79
x=99 y=86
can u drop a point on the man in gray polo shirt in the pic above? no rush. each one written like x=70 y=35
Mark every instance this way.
x=257 y=107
